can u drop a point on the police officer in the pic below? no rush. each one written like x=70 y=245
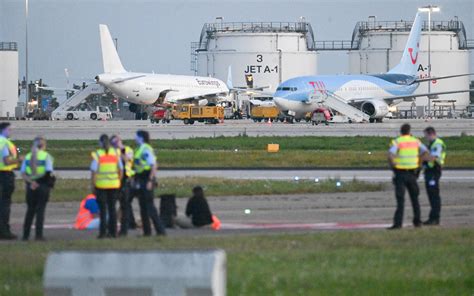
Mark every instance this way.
x=36 y=170
x=404 y=158
x=8 y=162
x=145 y=171
x=433 y=167
x=106 y=174
x=125 y=196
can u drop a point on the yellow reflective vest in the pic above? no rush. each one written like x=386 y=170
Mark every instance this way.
x=140 y=163
x=107 y=175
x=13 y=154
x=408 y=152
x=41 y=158
x=442 y=158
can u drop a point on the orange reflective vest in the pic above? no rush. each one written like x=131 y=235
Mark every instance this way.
x=107 y=175
x=84 y=217
x=408 y=154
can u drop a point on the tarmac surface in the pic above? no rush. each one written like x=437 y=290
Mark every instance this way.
x=298 y=213
x=367 y=175
x=76 y=130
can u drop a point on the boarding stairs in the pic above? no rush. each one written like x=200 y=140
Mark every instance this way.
x=335 y=102
x=80 y=96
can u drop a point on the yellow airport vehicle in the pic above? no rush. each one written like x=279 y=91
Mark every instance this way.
x=259 y=113
x=209 y=114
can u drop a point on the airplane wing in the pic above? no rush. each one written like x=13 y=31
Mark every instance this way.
x=119 y=80
x=175 y=95
x=442 y=77
x=409 y=98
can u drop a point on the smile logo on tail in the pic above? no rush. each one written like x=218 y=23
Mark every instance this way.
x=410 y=50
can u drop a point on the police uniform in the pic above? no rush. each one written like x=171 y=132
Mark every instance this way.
x=36 y=199
x=433 y=170
x=125 y=191
x=144 y=159
x=107 y=166
x=406 y=150
x=7 y=185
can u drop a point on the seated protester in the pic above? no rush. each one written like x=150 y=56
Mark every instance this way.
x=198 y=213
x=88 y=216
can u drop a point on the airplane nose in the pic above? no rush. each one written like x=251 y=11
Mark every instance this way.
x=281 y=103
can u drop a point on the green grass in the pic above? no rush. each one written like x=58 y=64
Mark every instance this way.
x=409 y=262
x=75 y=189
x=251 y=152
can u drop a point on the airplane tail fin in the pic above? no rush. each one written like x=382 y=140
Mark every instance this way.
x=230 y=85
x=408 y=64
x=110 y=58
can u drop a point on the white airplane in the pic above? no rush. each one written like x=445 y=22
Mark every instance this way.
x=153 y=89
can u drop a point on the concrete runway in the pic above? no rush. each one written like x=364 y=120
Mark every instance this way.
x=285 y=213
x=72 y=130
x=456 y=176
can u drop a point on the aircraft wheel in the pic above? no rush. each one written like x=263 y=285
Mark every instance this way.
x=371 y=120
x=144 y=116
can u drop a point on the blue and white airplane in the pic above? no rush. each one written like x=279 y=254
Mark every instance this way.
x=370 y=93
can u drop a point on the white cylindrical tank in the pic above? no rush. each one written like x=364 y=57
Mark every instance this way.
x=380 y=50
x=271 y=52
x=8 y=79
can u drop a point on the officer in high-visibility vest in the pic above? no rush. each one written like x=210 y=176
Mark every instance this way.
x=125 y=196
x=36 y=170
x=144 y=165
x=433 y=167
x=9 y=161
x=106 y=175
x=88 y=216
x=405 y=156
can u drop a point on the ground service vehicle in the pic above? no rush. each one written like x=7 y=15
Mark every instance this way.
x=84 y=112
x=321 y=115
x=209 y=114
x=259 y=113
x=163 y=115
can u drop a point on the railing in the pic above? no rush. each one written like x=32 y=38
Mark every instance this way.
x=209 y=30
x=336 y=45
x=8 y=46
x=470 y=44
x=454 y=25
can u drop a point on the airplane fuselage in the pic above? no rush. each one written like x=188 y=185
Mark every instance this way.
x=295 y=94
x=147 y=89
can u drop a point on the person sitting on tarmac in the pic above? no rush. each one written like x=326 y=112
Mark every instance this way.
x=88 y=216
x=198 y=213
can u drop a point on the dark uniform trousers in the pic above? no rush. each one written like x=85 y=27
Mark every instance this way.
x=147 y=208
x=125 y=206
x=7 y=186
x=406 y=180
x=106 y=200
x=36 y=201
x=432 y=177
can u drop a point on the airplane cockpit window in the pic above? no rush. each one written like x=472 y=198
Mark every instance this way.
x=286 y=88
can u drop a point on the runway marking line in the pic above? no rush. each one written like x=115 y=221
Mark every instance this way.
x=256 y=226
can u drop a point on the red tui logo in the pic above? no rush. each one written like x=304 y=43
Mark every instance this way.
x=410 y=50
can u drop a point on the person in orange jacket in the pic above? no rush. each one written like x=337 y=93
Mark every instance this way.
x=88 y=216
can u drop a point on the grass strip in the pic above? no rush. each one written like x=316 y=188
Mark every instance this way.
x=67 y=190
x=432 y=261
x=242 y=152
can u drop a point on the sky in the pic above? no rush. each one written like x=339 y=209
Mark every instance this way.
x=156 y=35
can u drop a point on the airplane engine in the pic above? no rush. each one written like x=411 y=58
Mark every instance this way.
x=377 y=109
x=203 y=102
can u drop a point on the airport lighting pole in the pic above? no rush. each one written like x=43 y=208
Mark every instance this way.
x=429 y=9
x=26 y=59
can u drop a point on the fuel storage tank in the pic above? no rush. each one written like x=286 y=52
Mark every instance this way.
x=380 y=45
x=8 y=78
x=271 y=51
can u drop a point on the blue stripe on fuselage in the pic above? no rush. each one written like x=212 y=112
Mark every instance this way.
x=394 y=84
